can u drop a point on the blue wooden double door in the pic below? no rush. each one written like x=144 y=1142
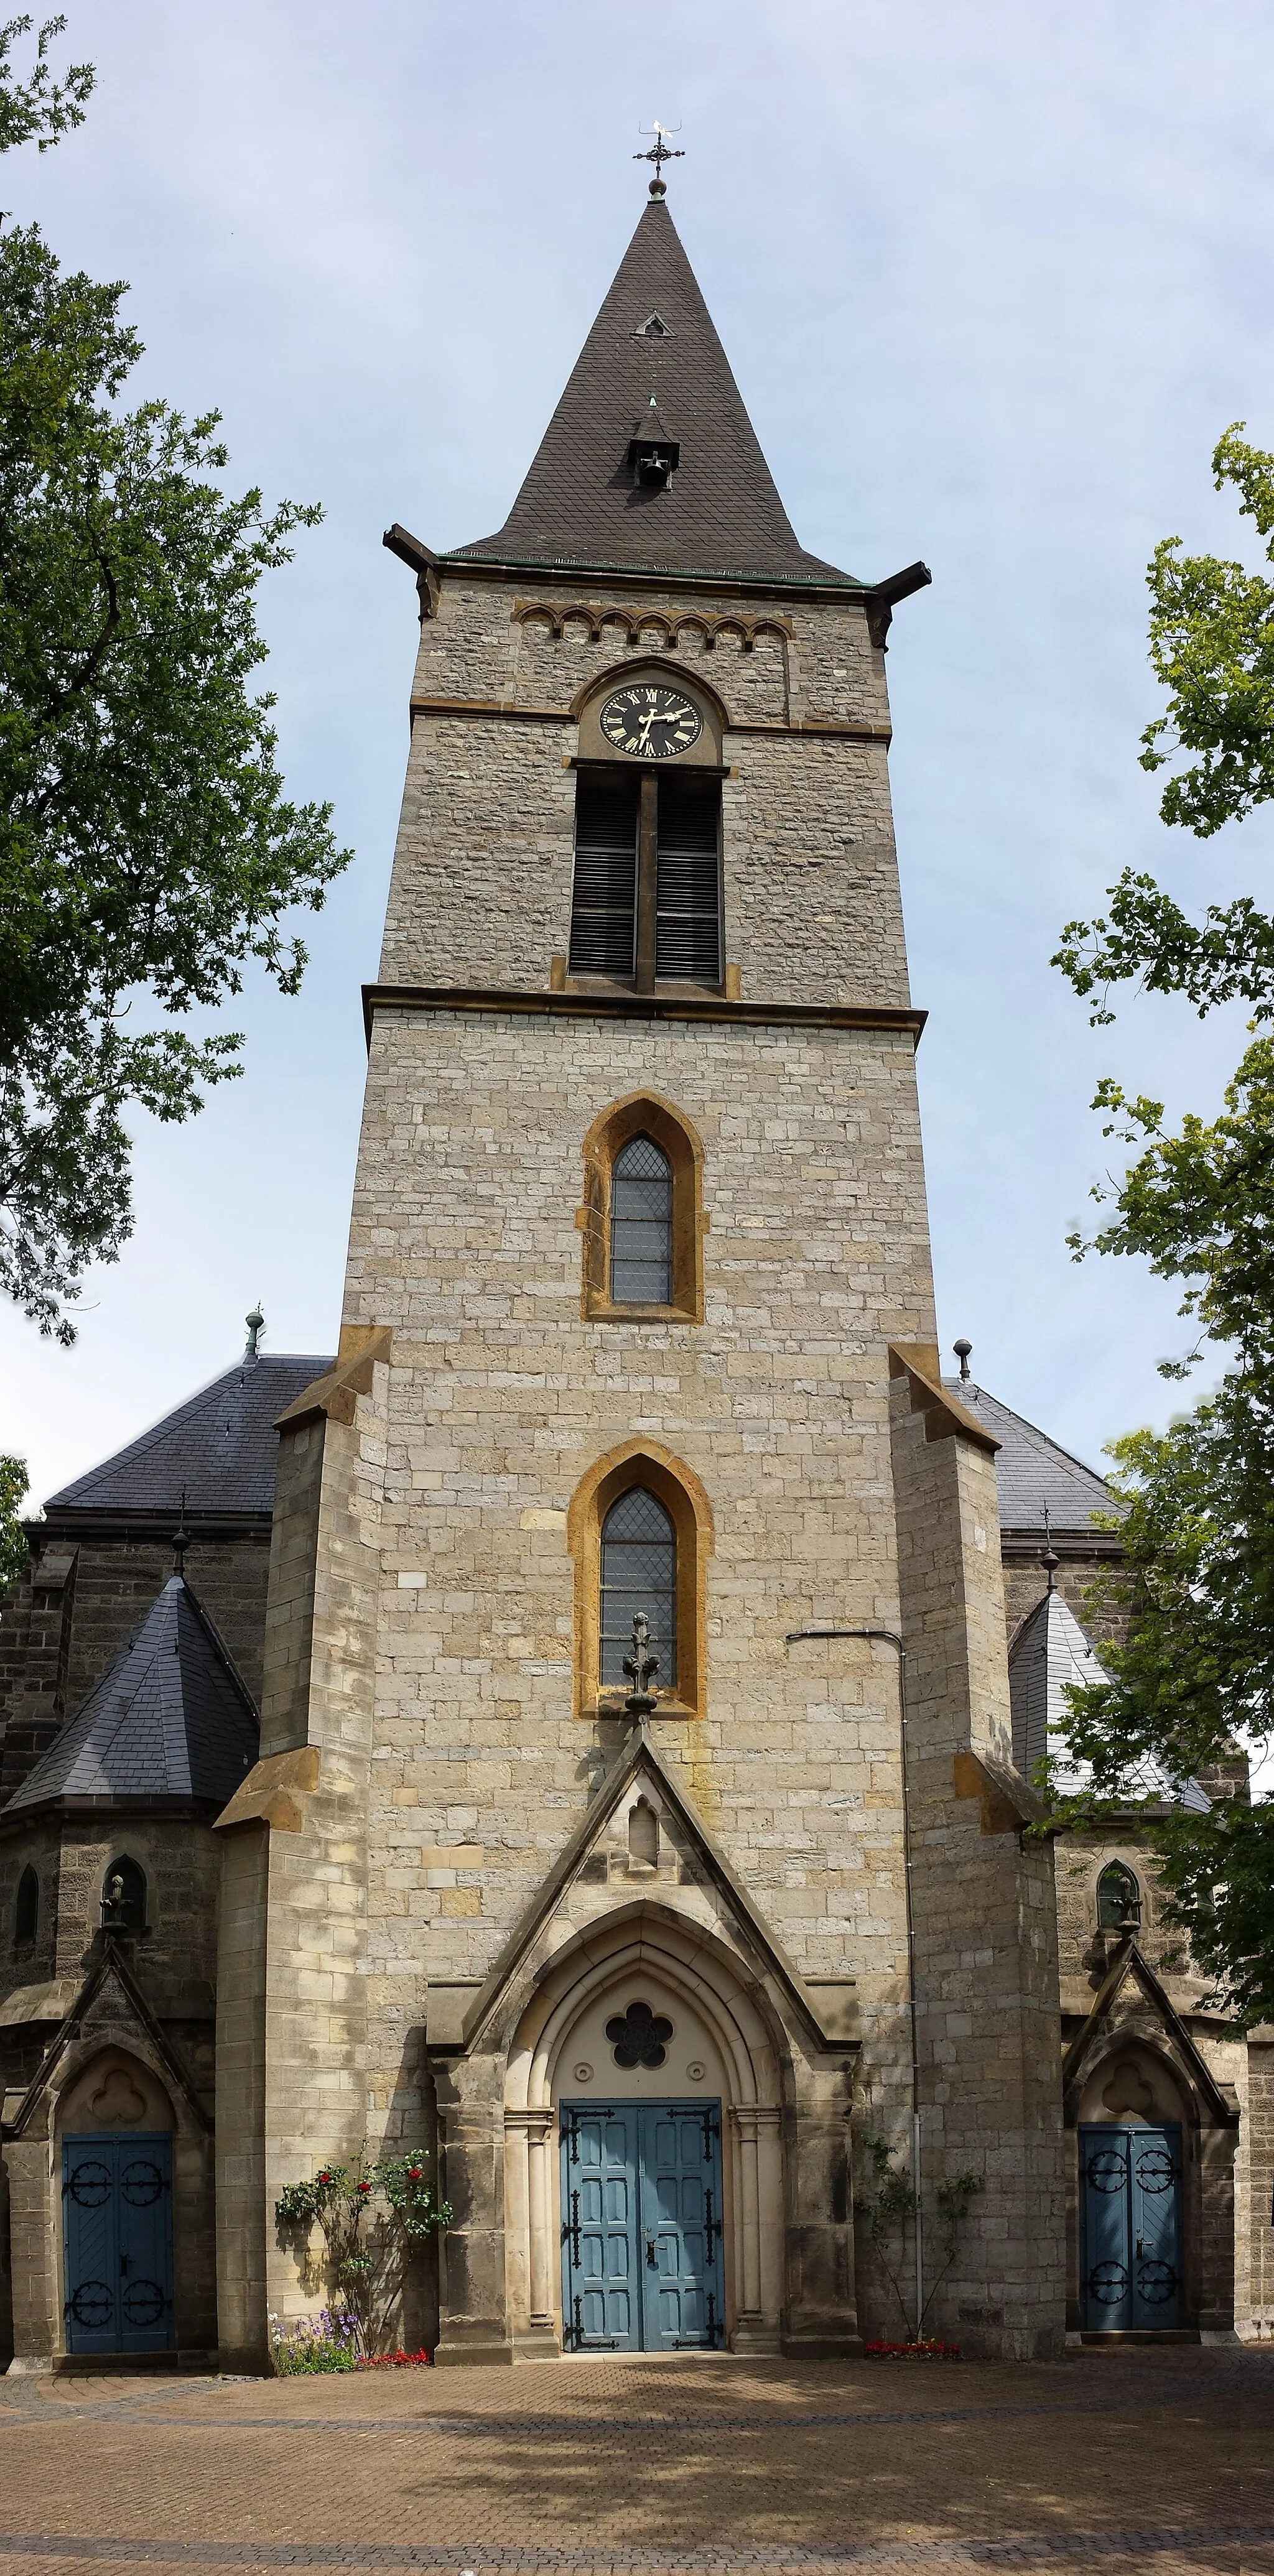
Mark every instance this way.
x=642 y=2265
x=1131 y=2262
x=117 y=2236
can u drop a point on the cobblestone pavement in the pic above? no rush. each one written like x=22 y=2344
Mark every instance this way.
x=1154 y=2460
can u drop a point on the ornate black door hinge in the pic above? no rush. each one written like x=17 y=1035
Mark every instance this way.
x=570 y=2232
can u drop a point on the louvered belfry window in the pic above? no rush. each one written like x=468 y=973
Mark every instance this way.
x=646 y=905
x=604 y=904
x=688 y=881
x=641 y=1225
x=639 y=1572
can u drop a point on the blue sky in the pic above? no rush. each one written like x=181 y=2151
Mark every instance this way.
x=993 y=278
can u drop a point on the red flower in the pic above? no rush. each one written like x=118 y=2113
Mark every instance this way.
x=413 y=2173
x=364 y=2187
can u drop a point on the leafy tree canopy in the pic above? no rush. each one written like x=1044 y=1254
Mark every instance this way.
x=13 y=1546
x=1196 y=1588
x=1212 y=646
x=147 y=850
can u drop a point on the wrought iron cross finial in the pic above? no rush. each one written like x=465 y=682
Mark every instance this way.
x=639 y=1667
x=660 y=151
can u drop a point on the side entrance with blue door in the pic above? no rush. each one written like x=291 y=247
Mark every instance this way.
x=642 y=2267
x=1130 y=2213
x=117 y=2235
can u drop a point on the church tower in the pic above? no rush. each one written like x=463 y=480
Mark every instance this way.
x=636 y=1818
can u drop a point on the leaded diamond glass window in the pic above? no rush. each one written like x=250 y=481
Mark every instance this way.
x=641 y=1225
x=639 y=1572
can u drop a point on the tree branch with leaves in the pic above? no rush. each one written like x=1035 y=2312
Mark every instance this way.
x=149 y=856
x=1193 y=1678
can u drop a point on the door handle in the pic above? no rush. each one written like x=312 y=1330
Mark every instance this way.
x=651 y=2257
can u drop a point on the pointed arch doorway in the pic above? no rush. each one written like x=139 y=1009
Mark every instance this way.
x=643 y=2147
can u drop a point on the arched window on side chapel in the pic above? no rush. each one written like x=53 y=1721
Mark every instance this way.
x=26 y=1913
x=1118 y=1899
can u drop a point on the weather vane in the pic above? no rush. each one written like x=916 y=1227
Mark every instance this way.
x=659 y=152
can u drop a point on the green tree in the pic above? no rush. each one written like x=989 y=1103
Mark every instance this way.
x=13 y=1546
x=148 y=854
x=1197 y=1522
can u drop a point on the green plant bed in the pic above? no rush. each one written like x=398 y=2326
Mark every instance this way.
x=328 y=2341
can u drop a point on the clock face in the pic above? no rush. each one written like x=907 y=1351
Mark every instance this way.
x=652 y=723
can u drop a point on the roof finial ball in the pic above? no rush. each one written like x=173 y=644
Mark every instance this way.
x=256 y=1326
x=659 y=153
x=963 y=1351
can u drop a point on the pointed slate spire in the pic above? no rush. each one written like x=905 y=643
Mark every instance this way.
x=169 y=1719
x=582 y=503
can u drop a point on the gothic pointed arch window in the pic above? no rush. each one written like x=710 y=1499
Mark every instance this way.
x=642 y=1219
x=26 y=1913
x=640 y=1530
x=1118 y=1899
x=639 y=1575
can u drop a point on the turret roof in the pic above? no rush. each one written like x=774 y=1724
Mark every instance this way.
x=169 y=1718
x=580 y=505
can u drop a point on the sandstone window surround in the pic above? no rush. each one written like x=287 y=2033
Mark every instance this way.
x=649 y=1468
x=648 y=1116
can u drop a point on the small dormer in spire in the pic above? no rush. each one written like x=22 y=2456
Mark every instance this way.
x=653 y=453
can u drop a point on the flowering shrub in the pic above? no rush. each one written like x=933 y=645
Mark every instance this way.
x=324 y=2342
x=893 y=2213
x=421 y=2360
x=364 y=2245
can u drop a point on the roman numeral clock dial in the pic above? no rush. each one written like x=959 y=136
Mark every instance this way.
x=651 y=723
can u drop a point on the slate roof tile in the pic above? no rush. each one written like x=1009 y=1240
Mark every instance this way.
x=1049 y=1654
x=220 y=1446
x=170 y=1718
x=579 y=505
x=1032 y=1471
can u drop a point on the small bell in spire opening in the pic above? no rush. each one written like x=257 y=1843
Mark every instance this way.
x=652 y=454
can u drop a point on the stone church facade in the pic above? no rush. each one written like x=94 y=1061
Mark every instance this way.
x=637 y=1361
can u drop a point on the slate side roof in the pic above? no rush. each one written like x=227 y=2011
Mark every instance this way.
x=170 y=1718
x=720 y=512
x=1033 y=1472
x=220 y=1446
